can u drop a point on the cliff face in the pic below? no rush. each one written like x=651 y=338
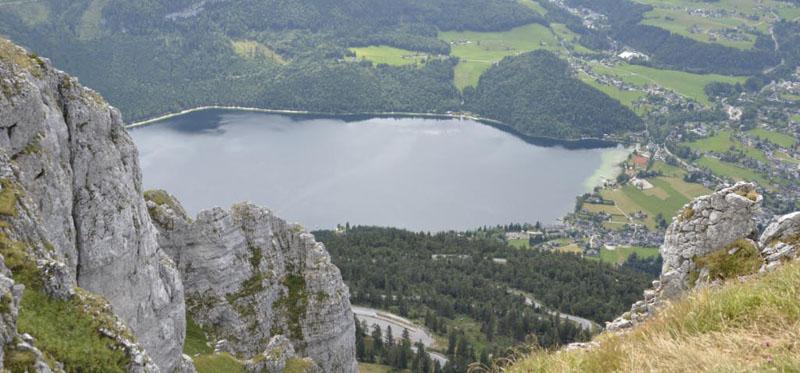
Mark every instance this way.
x=705 y=225
x=80 y=171
x=250 y=277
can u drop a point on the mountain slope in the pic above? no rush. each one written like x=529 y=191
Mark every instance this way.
x=724 y=302
x=740 y=327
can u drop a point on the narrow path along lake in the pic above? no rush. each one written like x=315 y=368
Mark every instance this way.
x=415 y=173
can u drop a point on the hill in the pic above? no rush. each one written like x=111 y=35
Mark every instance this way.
x=726 y=299
x=153 y=57
x=536 y=94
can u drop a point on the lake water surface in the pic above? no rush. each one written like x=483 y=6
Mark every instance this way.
x=415 y=173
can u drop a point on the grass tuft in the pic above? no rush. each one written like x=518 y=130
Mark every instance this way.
x=218 y=363
x=738 y=258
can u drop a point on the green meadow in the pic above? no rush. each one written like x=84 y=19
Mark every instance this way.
x=389 y=55
x=477 y=51
x=685 y=84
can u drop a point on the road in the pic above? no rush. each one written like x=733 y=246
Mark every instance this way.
x=384 y=319
x=529 y=300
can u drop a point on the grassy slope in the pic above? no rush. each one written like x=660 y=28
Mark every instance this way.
x=777 y=138
x=388 y=55
x=486 y=48
x=685 y=84
x=620 y=254
x=669 y=193
x=740 y=327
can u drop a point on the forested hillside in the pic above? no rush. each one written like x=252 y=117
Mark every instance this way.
x=469 y=284
x=537 y=95
x=153 y=57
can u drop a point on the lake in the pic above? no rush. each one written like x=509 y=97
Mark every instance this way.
x=414 y=173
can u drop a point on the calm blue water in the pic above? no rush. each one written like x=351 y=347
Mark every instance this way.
x=421 y=174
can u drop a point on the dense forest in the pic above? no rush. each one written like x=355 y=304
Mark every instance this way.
x=537 y=94
x=150 y=57
x=442 y=278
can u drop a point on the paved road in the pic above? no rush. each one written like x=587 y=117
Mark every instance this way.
x=384 y=319
x=529 y=300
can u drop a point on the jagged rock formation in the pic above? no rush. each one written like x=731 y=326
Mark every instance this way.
x=80 y=171
x=707 y=224
x=712 y=240
x=780 y=241
x=27 y=253
x=250 y=276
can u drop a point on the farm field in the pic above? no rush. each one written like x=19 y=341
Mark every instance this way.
x=723 y=142
x=751 y=17
x=620 y=254
x=389 y=55
x=685 y=84
x=519 y=243
x=668 y=195
x=627 y=98
x=731 y=171
x=477 y=51
x=777 y=138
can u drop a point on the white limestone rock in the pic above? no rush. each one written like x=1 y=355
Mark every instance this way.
x=730 y=216
x=780 y=241
x=250 y=276
x=80 y=170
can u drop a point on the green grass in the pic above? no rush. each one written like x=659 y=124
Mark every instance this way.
x=680 y=22
x=738 y=327
x=532 y=4
x=251 y=49
x=65 y=330
x=732 y=171
x=90 y=26
x=196 y=340
x=655 y=205
x=519 y=243
x=296 y=365
x=218 y=363
x=477 y=51
x=723 y=142
x=685 y=84
x=625 y=97
x=620 y=254
x=777 y=138
x=389 y=55
x=722 y=265
x=373 y=368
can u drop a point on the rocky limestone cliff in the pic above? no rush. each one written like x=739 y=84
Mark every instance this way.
x=251 y=277
x=46 y=295
x=715 y=238
x=707 y=224
x=80 y=170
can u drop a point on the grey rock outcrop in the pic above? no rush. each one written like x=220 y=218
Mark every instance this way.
x=23 y=241
x=80 y=170
x=250 y=276
x=780 y=241
x=279 y=353
x=705 y=225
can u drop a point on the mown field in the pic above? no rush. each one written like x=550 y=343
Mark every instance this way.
x=722 y=142
x=777 y=138
x=668 y=195
x=685 y=84
x=477 y=51
x=619 y=254
x=389 y=55
x=748 y=16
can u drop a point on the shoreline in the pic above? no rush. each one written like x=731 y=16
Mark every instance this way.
x=582 y=143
